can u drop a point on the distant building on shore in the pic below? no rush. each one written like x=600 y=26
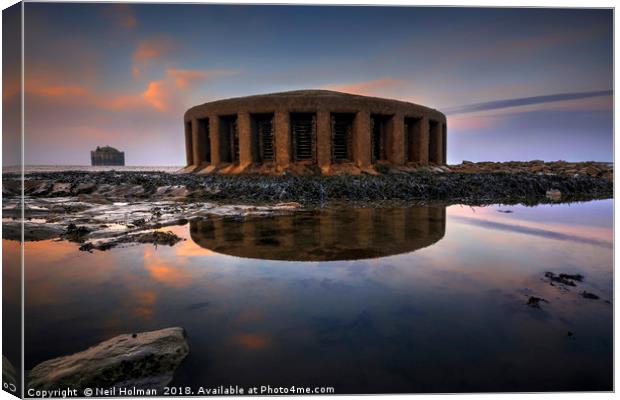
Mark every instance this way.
x=107 y=156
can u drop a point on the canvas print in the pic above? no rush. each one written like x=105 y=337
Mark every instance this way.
x=232 y=199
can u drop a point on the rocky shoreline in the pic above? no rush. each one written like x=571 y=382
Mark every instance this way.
x=467 y=183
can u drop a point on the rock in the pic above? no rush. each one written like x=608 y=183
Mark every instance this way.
x=123 y=191
x=588 y=295
x=564 y=279
x=60 y=189
x=37 y=187
x=157 y=237
x=146 y=361
x=9 y=375
x=554 y=195
x=85 y=188
x=537 y=168
x=289 y=205
x=534 y=301
x=573 y=277
x=172 y=191
x=75 y=233
x=152 y=237
x=11 y=188
x=12 y=230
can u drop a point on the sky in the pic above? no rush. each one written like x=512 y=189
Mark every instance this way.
x=515 y=84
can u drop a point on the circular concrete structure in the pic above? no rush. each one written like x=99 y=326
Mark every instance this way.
x=315 y=131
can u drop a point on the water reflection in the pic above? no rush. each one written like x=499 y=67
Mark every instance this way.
x=451 y=317
x=325 y=235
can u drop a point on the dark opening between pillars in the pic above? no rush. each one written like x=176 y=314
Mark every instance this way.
x=263 y=138
x=229 y=139
x=303 y=134
x=378 y=127
x=203 y=130
x=433 y=142
x=189 y=145
x=342 y=127
x=413 y=139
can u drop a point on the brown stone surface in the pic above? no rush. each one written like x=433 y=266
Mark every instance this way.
x=310 y=148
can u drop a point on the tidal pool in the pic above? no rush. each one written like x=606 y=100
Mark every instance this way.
x=365 y=300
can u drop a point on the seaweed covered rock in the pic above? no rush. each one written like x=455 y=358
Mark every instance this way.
x=143 y=360
x=477 y=184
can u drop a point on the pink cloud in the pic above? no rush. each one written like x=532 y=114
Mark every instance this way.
x=149 y=50
x=125 y=16
x=168 y=94
x=183 y=78
x=121 y=15
x=157 y=94
x=55 y=91
x=472 y=122
x=369 y=88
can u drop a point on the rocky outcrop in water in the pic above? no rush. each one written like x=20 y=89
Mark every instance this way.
x=144 y=360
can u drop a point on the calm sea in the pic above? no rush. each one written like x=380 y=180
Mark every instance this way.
x=420 y=299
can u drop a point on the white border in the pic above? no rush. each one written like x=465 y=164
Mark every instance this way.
x=478 y=3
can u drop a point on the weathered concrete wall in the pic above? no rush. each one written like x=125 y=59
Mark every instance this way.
x=427 y=145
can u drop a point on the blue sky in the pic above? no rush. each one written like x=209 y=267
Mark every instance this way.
x=123 y=75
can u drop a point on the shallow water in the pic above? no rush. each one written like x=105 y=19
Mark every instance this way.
x=429 y=299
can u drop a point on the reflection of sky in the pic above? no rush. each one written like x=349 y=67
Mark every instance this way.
x=451 y=316
x=123 y=74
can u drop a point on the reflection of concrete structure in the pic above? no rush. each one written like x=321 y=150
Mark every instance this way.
x=325 y=235
x=302 y=130
x=107 y=156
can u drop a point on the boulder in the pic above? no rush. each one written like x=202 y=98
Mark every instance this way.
x=9 y=374
x=61 y=189
x=11 y=187
x=144 y=360
x=554 y=194
x=176 y=191
x=85 y=188
x=37 y=187
x=12 y=230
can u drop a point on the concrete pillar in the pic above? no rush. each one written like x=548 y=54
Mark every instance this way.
x=283 y=139
x=324 y=139
x=396 y=140
x=421 y=147
x=436 y=147
x=214 y=133
x=244 y=128
x=361 y=139
x=444 y=142
x=189 y=150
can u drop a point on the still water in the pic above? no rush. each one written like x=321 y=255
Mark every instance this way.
x=423 y=299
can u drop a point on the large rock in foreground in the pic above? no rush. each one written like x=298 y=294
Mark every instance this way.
x=144 y=360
